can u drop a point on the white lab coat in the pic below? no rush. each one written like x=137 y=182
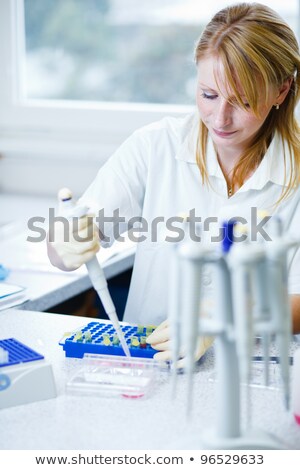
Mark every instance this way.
x=154 y=173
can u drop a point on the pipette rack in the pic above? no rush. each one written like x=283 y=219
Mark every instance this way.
x=98 y=338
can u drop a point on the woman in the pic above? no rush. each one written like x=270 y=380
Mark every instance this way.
x=240 y=151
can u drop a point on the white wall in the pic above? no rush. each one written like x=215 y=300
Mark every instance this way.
x=40 y=165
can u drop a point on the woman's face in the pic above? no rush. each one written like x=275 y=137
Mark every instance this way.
x=230 y=126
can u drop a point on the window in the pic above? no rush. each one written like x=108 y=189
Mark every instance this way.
x=111 y=50
x=116 y=50
x=99 y=68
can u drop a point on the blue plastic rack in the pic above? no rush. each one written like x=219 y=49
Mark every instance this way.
x=18 y=352
x=91 y=339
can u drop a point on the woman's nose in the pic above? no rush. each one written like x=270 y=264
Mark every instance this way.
x=223 y=114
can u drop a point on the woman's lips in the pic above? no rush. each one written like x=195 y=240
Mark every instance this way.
x=223 y=134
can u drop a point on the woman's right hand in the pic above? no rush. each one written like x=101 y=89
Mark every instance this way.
x=72 y=242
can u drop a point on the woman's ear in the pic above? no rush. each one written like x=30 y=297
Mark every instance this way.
x=283 y=90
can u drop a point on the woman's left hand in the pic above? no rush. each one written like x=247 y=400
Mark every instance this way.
x=160 y=340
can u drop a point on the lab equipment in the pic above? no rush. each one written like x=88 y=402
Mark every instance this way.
x=102 y=340
x=243 y=259
x=95 y=271
x=281 y=320
x=263 y=290
x=272 y=359
x=25 y=376
x=112 y=376
x=234 y=325
x=296 y=387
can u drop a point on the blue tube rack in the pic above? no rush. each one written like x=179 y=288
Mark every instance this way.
x=25 y=377
x=89 y=339
x=18 y=353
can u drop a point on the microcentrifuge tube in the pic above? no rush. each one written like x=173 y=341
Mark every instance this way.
x=115 y=340
x=140 y=330
x=106 y=340
x=88 y=337
x=143 y=344
x=149 y=329
x=134 y=341
x=78 y=337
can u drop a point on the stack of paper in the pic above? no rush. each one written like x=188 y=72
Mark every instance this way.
x=11 y=295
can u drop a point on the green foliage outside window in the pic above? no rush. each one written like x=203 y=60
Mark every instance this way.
x=88 y=56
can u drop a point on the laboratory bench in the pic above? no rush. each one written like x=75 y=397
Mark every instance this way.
x=87 y=422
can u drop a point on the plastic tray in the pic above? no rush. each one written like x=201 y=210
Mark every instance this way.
x=89 y=339
x=112 y=376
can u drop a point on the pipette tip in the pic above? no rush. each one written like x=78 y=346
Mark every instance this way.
x=124 y=346
x=120 y=334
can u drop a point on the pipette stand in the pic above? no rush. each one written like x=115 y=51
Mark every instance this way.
x=26 y=377
x=227 y=433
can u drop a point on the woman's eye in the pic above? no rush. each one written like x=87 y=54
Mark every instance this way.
x=208 y=96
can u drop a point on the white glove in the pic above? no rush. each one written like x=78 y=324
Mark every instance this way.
x=70 y=247
x=160 y=340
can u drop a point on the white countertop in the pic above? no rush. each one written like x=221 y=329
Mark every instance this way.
x=69 y=422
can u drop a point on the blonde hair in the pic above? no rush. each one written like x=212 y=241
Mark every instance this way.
x=255 y=45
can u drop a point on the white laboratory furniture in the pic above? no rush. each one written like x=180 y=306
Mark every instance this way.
x=158 y=422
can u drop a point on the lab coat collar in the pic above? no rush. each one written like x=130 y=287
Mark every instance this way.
x=272 y=168
x=275 y=167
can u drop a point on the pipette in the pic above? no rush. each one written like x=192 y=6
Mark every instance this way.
x=95 y=271
x=262 y=296
x=191 y=267
x=280 y=302
x=262 y=311
x=228 y=394
x=174 y=302
x=244 y=258
x=233 y=328
x=174 y=310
